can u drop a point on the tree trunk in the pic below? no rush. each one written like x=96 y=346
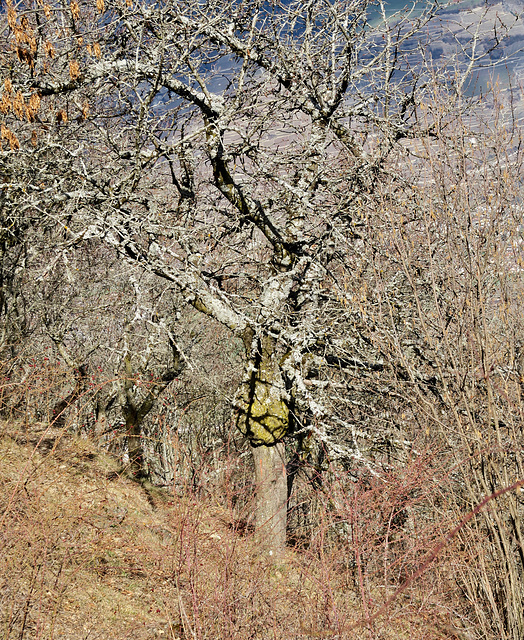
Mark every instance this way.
x=262 y=411
x=262 y=414
x=60 y=408
x=134 y=443
x=271 y=498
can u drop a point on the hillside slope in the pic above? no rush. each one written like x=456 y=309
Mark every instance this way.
x=90 y=554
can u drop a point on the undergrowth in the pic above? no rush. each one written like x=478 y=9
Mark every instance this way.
x=89 y=553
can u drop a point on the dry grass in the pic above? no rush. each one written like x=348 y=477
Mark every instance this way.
x=90 y=554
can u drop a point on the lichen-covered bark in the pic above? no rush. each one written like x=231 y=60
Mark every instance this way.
x=262 y=399
x=262 y=410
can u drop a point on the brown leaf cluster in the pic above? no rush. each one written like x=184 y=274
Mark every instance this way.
x=15 y=103
x=7 y=134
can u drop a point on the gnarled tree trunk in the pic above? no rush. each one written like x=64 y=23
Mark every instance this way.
x=263 y=415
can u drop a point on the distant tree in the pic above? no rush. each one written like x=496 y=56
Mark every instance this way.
x=117 y=332
x=257 y=156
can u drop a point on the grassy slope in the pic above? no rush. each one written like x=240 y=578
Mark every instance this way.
x=89 y=554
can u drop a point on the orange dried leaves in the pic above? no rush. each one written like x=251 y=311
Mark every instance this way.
x=49 y=49
x=24 y=55
x=74 y=70
x=18 y=104
x=25 y=41
x=5 y=101
x=32 y=107
x=11 y=15
x=5 y=104
x=7 y=134
x=75 y=9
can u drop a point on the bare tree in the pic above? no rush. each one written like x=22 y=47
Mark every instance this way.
x=117 y=331
x=242 y=153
